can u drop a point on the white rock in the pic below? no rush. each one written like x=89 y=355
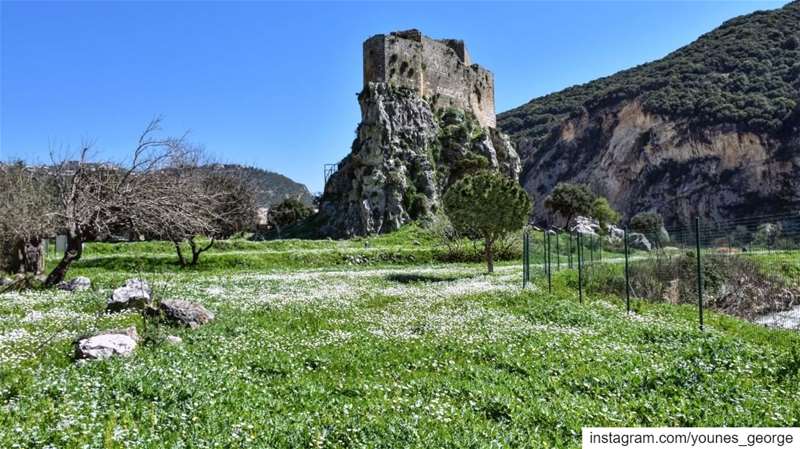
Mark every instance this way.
x=585 y=226
x=639 y=241
x=108 y=344
x=135 y=294
x=174 y=339
x=615 y=234
x=78 y=284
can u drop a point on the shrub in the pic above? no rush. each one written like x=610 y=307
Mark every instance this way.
x=570 y=200
x=651 y=224
x=288 y=212
x=604 y=213
x=489 y=206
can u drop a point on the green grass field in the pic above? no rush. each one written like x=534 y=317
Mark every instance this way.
x=310 y=351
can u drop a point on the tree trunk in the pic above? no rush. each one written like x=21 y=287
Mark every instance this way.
x=566 y=225
x=73 y=253
x=488 y=243
x=181 y=259
x=33 y=256
x=197 y=250
x=11 y=259
x=5 y=255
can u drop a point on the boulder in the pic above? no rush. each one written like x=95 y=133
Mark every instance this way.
x=135 y=294
x=185 y=312
x=586 y=226
x=107 y=344
x=78 y=284
x=639 y=241
x=615 y=235
x=174 y=340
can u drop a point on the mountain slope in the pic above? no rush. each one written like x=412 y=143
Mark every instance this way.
x=713 y=128
x=271 y=187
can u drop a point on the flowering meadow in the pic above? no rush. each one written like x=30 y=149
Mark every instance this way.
x=379 y=356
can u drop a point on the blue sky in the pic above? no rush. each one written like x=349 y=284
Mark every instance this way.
x=274 y=84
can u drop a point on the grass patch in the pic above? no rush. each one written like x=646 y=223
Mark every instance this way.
x=385 y=355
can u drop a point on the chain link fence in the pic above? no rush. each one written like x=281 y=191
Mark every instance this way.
x=747 y=267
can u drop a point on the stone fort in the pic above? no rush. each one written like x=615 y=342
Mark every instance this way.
x=439 y=70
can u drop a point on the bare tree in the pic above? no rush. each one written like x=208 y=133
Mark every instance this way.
x=95 y=199
x=236 y=205
x=177 y=203
x=201 y=202
x=25 y=218
x=163 y=192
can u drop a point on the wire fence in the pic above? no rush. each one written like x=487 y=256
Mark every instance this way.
x=747 y=267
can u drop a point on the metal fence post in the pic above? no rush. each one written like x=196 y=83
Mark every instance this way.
x=699 y=270
x=600 y=247
x=569 y=252
x=627 y=275
x=549 y=266
x=544 y=251
x=558 y=254
x=528 y=259
x=524 y=259
x=580 y=269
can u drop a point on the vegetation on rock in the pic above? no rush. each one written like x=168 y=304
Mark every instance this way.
x=711 y=130
x=403 y=159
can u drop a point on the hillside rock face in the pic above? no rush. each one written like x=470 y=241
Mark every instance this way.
x=410 y=147
x=403 y=159
x=391 y=153
x=712 y=130
x=642 y=161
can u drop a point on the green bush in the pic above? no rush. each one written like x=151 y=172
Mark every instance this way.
x=487 y=206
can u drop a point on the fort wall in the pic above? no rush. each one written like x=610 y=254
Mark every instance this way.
x=438 y=70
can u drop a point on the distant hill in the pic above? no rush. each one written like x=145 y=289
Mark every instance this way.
x=713 y=128
x=272 y=187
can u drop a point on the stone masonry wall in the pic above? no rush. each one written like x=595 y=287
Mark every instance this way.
x=437 y=70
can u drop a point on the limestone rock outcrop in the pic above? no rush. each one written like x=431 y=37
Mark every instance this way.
x=644 y=161
x=421 y=129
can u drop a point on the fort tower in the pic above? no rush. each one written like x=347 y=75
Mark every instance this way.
x=439 y=70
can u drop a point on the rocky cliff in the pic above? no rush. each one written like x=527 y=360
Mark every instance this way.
x=403 y=158
x=415 y=137
x=711 y=129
